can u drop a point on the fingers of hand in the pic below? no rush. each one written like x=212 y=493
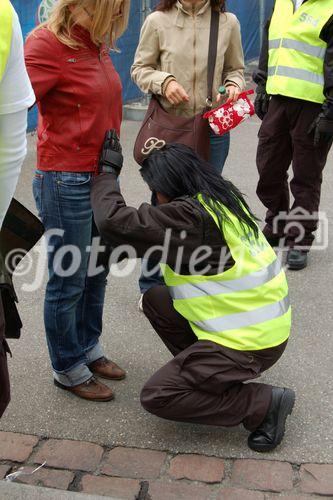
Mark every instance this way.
x=175 y=93
x=322 y=137
x=233 y=93
x=181 y=94
x=317 y=138
x=265 y=104
x=169 y=94
x=173 y=98
x=310 y=129
x=259 y=112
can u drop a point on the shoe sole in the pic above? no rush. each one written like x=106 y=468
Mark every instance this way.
x=293 y=267
x=286 y=408
x=68 y=389
x=109 y=378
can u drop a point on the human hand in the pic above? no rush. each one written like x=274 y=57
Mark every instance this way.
x=175 y=93
x=322 y=128
x=233 y=92
x=111 y=158
x=222 y=94
x=261 y=102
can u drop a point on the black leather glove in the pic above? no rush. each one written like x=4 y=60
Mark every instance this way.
x=111 y=158
x=322 y=126
x=261 y=102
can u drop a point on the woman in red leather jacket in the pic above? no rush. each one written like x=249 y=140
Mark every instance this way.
x=79 y=97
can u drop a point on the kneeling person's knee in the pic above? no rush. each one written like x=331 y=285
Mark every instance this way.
x=148 y=399
x=154 y=400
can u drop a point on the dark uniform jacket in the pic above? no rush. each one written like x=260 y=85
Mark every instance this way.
x=146 y=226
x=260 y=75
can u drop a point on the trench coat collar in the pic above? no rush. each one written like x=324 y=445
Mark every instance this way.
x=182 y=12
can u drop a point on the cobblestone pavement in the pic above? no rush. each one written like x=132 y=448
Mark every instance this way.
x=144 y=474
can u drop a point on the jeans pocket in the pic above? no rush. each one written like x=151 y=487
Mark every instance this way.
x=73 y=191
x=73 y=178
x=37 y=189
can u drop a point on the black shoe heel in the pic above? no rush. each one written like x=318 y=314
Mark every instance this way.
x=286 y=408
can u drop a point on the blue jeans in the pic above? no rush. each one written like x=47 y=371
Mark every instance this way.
x=74 y=301
x=219 y=150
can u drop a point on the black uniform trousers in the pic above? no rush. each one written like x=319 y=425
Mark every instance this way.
x=203 y=383
x=284 y=140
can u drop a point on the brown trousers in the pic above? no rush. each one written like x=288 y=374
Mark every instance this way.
x=4 y=376
x=203 y=383
x=284 y=140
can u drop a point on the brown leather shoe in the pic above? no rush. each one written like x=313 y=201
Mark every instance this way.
x=93 y=390
x=105 y=368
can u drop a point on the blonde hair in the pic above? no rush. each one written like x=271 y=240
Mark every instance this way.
x=109 y=19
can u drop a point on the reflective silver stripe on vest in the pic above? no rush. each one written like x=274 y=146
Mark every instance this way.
x=193 y=290
x=274 y=44
x=306 y=48
x=298 y=74
x=245 y=319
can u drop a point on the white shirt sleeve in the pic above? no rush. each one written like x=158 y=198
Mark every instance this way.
x=15 y=88
x=16 y=96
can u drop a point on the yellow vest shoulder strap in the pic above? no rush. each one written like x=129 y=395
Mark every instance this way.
x=6 y=16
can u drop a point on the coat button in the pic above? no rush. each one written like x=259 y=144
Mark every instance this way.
x=78 y=148
x=79 y=105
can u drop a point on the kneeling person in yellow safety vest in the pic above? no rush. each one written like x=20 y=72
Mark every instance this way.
x=295 y=102
x=225 y=323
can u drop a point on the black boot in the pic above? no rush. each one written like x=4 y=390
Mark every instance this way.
x=297 y=259
x=271 y=431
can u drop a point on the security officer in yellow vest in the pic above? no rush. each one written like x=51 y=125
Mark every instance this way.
x=295 y=102
x=224 y=310
x=16 y=96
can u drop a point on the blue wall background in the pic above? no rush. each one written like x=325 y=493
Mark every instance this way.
x=247 y=11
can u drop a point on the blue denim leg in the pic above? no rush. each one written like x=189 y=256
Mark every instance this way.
x=147 y=282
x=219 y=150
x=89 y=313
x=63 y=202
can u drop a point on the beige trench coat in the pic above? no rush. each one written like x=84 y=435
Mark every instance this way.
x=175 y=43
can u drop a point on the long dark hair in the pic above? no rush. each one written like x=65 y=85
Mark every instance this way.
x=168 y=4
x=176 y=170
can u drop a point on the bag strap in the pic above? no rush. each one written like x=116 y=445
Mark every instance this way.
x=212 y=54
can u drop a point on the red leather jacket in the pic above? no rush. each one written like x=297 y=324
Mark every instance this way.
x=79 y=96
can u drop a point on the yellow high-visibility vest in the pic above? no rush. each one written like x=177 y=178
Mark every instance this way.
x=6 y=32
x=296 y=51
x=244 y=308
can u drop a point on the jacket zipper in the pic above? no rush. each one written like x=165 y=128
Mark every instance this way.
x=103 y=66
x=106 y=75
x=194 y=57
